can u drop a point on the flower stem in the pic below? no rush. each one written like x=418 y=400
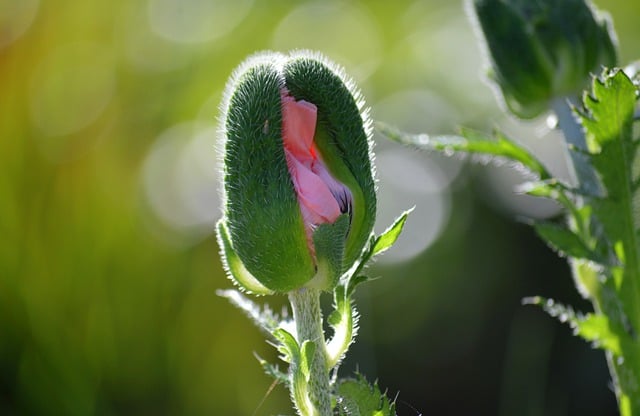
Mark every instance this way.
x=624 y=367
x=307 y=315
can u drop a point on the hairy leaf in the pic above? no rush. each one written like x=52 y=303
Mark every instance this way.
x=263 y=317
x=471 y=142
x=306 y=358
x=607 y=118
x=344 y=322
x=388 y=238
x=273 y=370
x=595 y=328
x=552 y=189
x=356 y=397
x=288 y=346
x=568 y=243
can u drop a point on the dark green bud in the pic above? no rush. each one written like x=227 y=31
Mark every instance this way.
x=299 y=195
x=541 y=49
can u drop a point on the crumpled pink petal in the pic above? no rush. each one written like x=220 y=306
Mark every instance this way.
x=321 y=197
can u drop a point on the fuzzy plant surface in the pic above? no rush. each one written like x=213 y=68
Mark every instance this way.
x=542 y=55
x=299 y=204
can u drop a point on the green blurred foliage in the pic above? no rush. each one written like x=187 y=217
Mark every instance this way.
x=107 y=301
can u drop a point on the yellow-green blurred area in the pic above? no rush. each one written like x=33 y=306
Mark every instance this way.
x=109 y=195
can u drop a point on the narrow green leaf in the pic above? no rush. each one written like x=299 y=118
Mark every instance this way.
x=551 y=189
x=344 y=322
x=334 y=318
x=563 y=240
x=597 y=328
x=262 y=317
x=298 y=370
x=591 y=327
x=377 y=245
x=365 y=256
x=472 y=142
x=388 y=238
x=306 y=358
x=273 y=371
x=288 y=346
x=355 y=281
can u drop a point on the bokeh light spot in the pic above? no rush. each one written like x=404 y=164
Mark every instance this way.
x=196 y=21
x=407 y=179
x=340 y=30
x=180 y=183
x=16 y=17
x=446 y=53
x=71 y=88
x=148 y=51
x=547 y=145
x=419 y=110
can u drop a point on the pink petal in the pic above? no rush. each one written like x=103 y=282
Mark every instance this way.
x=314 y=194
x=299 y=125
x=321 y=197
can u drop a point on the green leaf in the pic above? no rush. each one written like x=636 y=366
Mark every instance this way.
x=288 y=346
x=388 y=238
x=352 y=278
x=263 y=317
x=306 y=358
x=552 y=189
x=473 y=143
x=575 y=238
x=273 y=371
x=595 y=328
x=607 y=118
x=356 y=280
x=299 y=368
x=356 y=397
x=565 y=241
x=377 y=245
x=344 y=322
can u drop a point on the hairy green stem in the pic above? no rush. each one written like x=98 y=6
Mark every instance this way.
x=307 y=315
x=623 y=369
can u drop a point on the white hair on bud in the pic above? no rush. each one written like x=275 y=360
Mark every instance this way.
x=277 y=59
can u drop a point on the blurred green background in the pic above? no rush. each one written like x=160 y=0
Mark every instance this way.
x=108 y=196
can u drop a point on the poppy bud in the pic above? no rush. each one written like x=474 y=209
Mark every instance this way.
x=298 y=193
x=543 y=49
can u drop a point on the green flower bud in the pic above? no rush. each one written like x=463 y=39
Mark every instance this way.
x=298 y=194
x=543 y=49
